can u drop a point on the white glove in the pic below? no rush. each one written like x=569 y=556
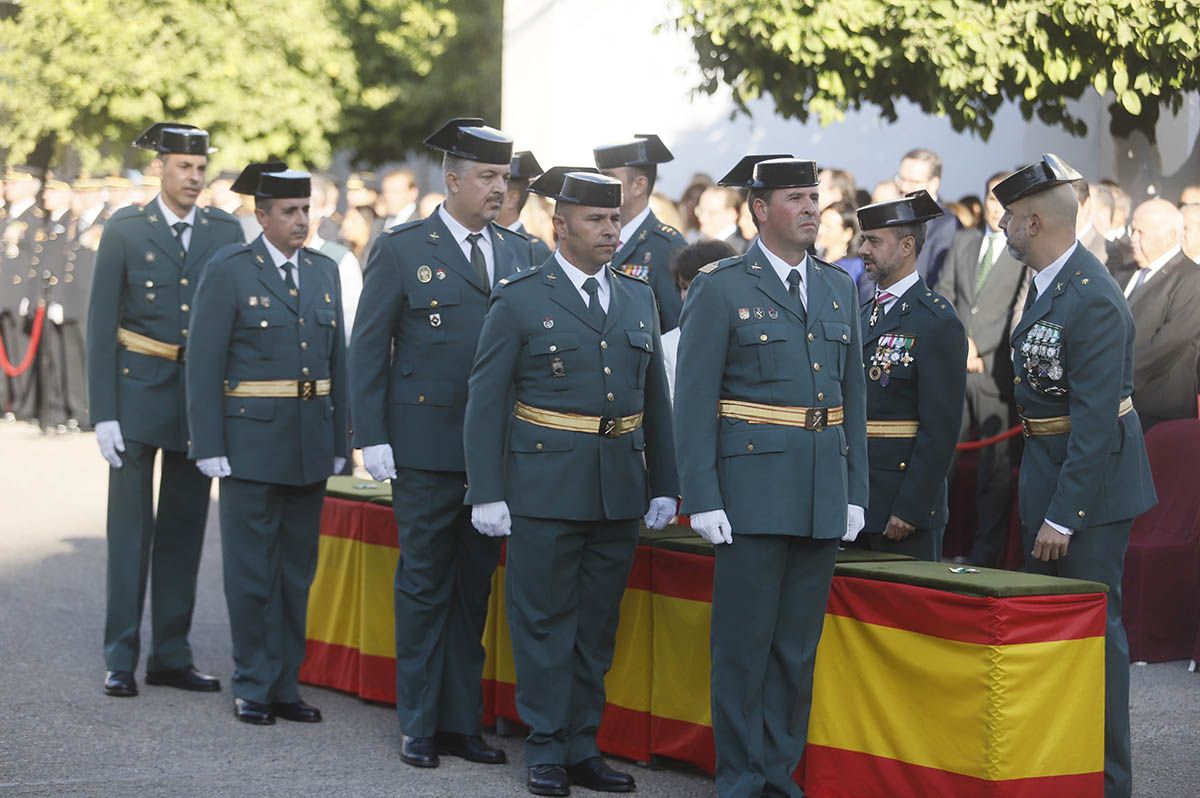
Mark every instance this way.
x=338 y=464
x=662 y=509
x=55 y=313
x=855 y=521
x=379 y=462
x=492 y=519
x=108 y=435
x=713 y=526
x=214 y=467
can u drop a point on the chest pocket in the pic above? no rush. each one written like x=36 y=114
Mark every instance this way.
x=327 y=321
x=837 y=334
x=767 y=343
x=432 y=309
x=642 y=344
x=147 y=293
x=555 y=355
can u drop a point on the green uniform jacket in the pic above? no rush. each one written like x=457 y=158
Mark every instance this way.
x=1098 y=472
x=246 y=327
x=926 y=347
x=648 y=255
x=537 y=341
x=414 y=339
x=143 y=283
x=741 y=339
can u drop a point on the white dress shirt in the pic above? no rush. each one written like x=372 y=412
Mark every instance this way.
x=670 y=353
x=782 y=268
x=460 y=234
x=18 y=208
x=171 y=219
x=1153 y=269
x=577 y=278
x=994 y=239
x=628 y=230
x=898 y=289
x=278 y=258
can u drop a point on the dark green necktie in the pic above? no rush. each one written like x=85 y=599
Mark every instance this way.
x=287 y=267
x=986 y=262
x=595 y=310
x=793 y=281
x=478 y=261
x=1032 y=296
x=180 y=228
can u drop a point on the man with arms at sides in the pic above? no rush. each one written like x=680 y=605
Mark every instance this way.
x=982 y=282
x=771 y=341
x=1084 y=472
x=425 y=292
x=645 y=245
x=1164 y=297
x=576 y=343
x=914 y=348
x=921 y=169
x=266 y=396
x=525 y=169
x=148 y=265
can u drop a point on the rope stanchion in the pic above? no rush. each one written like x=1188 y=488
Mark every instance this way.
x=970 y=446
x=35 y=337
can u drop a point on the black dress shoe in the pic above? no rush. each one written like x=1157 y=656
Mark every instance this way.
x=595 y=775
x=185 y=679
x=120 y=684
x=253 y=712
x=470 y=747
x=548 y=780
x=297 y=711
x=420 y=752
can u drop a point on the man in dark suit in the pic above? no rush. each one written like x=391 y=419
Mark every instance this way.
x=921 y=169
x=982 y=280
x=1086 y=230
x=1112 y=213
x=1164 y=296
x=718 y=211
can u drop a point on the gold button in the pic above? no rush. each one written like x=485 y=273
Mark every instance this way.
x=262 y=323
x=604 y=344
x=812 y=337
x=241 y=410
x=1082 y=514
x=183 y=332
x=304 y=344
x=816 y=366
x=836 y=306
x=553 y=348
x=610 y=396
x=749 y=447
x=538 y=446
x=125 y=370
x=302 y=320
x=184 y=307
x=821 y=396
x=762 y=337
x=607 y=371
x=433 y=303
x=149 y=283
x=421 y=398
x=304 y=371
x=183 y=281
x=845 y=337
x=1016 y=380
x=904 y=466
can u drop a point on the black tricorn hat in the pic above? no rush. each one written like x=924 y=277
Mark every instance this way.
x=917 y=206
x=742 y=174
x=646 y=149
x=273 y=180
x=785 y=172
x=167 y=138
x=579 y=187
x=524 y=166
x=1047 y=173
x=473 y=140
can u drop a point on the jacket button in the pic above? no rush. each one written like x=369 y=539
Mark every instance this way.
x=433 y=303
x=241 y=410
x=304 y=344
x=816 y=366
x=610 y=396
x=183 y=281
x=762 y=337
x=845 y=337
x=749 y=447
x=125 y=370
x=820 y=396
x=149 y=283
x=302 y=320
x=420 y=398
x=538 y=446
x=812 y=337
x=183 y=332
x=184 y=307
x=604 y=344
x=1016 y=380
x=262 y=323
x=607 y=371
x=304 y=371
x=553 y=348
x=904 y=466
x=1082 y=514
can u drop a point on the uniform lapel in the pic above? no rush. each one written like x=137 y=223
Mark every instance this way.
x=161 y=234
x=758 y=266
x=200 y=243
x=447 y=251
x=268 y=275
x=818 y=290
x=501 y=257
x=310 y=282
x=893 y=318
x=616 y=300
x=563 y=293
x=639 y=236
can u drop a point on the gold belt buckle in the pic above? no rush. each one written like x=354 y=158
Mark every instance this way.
x=308 y=389
x=608 y=427
x=815 y=418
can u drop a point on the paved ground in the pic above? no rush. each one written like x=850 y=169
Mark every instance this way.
x=60 y=736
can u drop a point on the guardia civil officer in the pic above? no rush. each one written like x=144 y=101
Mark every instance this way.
x=425 y=292
x=578 y=345
x=149 y=261
x=1084 y=472
x=525 y=169
x=913 y=349
x=22 y=237
x=770 y=430
x=266 y=397
x=645 y=245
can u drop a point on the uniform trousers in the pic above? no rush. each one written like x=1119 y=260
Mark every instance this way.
x=443 y=583
x=162 y=548
x=269 y=536
x=769 y=597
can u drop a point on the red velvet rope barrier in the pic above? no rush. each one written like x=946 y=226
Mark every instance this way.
x=970 y=446
x=35 y=337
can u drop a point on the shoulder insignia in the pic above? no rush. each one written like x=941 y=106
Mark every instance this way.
x=667 y=231
x=400 y=228
x=504 y=282
x=218 y=215
x=937 y=303
x=723 y=263
x=710 y=268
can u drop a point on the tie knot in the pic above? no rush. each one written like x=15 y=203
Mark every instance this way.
x=883 y=297
x=473 y=238
x=179 y=227
x=591 y=285
x=793 y=278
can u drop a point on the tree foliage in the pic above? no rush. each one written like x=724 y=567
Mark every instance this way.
x=961 y=59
